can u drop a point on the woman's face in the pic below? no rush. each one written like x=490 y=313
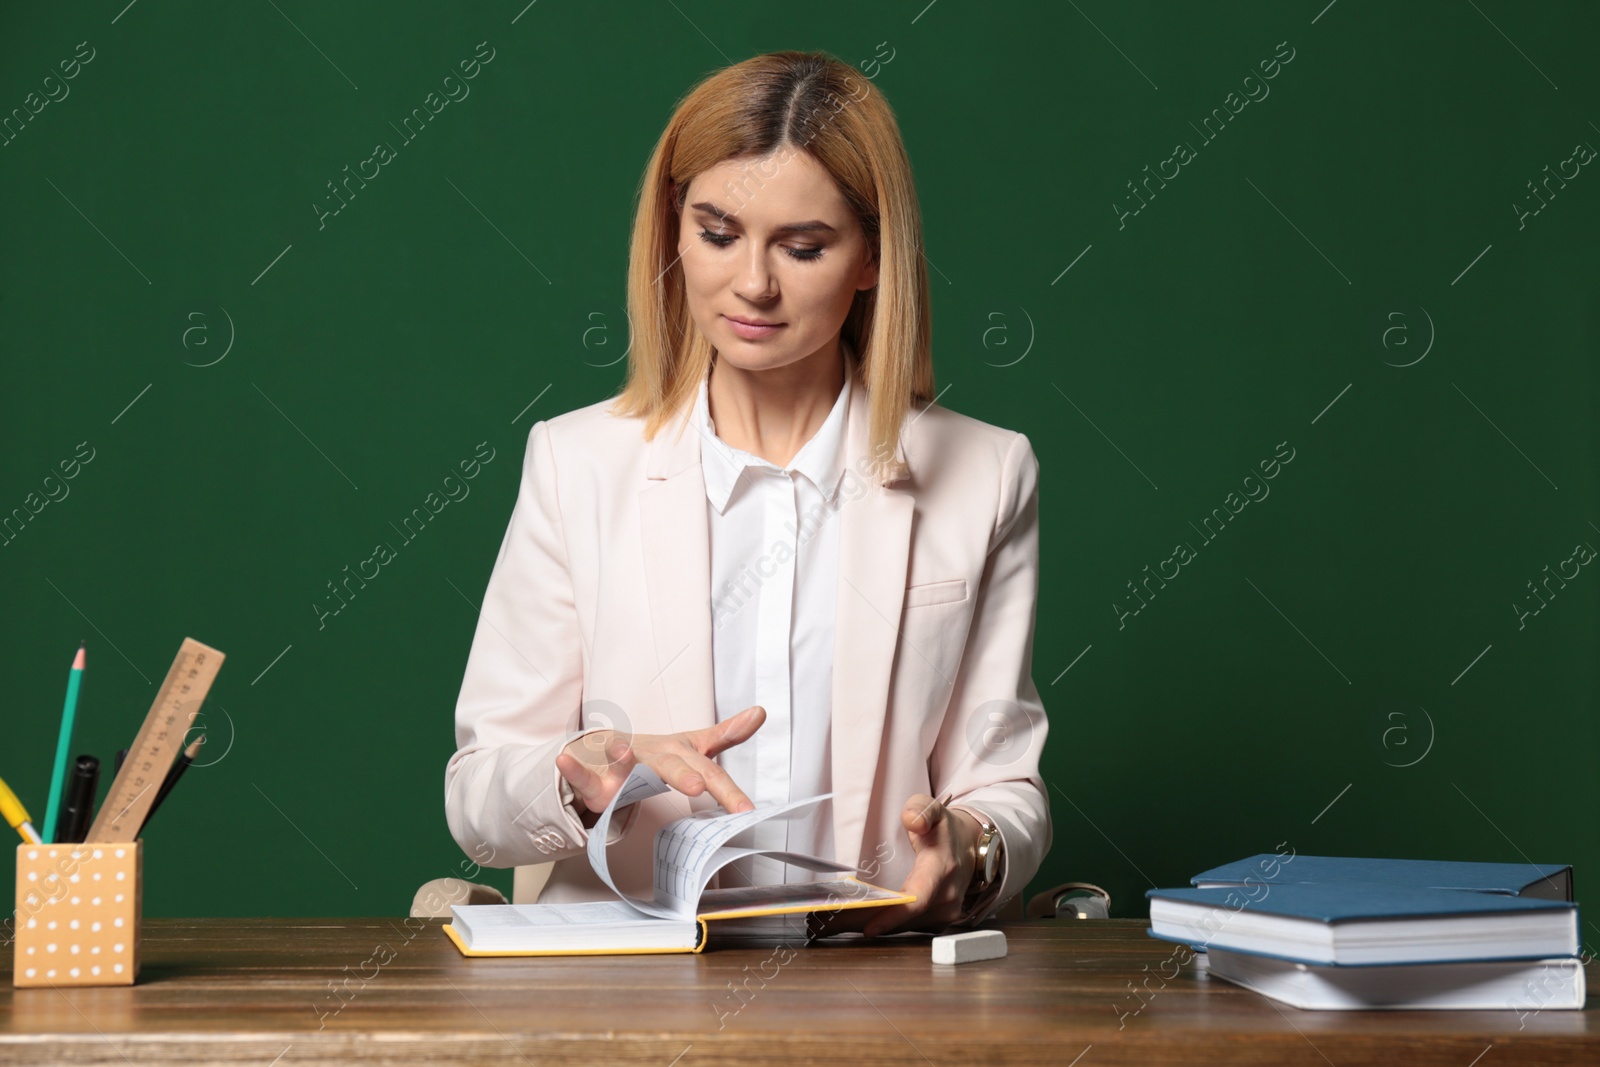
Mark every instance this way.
x=770 y=241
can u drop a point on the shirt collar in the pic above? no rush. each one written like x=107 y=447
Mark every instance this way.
x=820 y=459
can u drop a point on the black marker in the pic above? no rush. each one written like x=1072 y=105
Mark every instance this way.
x=78 y=810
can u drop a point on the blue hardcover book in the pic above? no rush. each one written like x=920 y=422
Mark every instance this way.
x=1546 y=881
x=1357 y=923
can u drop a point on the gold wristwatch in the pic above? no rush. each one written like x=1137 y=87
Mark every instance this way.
x=987 y=865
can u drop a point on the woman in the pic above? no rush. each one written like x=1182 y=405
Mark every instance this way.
x=770 y=568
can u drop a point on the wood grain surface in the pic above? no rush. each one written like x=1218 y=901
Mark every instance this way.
x=393 y=991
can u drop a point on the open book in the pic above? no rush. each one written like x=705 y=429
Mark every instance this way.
x=687 y=853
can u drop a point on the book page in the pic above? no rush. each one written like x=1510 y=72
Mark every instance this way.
x=493 y=917
x=799 y=896
x=641 y=784
x=689 y=851
x=726 y=855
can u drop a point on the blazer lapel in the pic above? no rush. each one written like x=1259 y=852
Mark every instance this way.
x=874 y=547
x=677 y=567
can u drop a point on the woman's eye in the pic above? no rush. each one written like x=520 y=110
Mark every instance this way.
x=723 y=240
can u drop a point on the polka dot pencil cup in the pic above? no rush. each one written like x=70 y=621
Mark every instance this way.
x=77 y=921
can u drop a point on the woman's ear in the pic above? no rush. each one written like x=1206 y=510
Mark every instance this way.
x=868 y=278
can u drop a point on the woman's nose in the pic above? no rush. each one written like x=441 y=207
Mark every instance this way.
x=755 y=280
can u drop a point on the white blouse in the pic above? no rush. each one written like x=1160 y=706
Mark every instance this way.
x=774 y=571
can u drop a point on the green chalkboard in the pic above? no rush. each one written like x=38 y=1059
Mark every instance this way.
x=1293 y=300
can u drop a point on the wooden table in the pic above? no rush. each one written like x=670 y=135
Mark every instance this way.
x=308 y=991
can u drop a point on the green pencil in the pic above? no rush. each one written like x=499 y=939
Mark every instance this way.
x=58 y=778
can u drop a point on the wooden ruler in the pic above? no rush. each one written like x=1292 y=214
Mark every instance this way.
x=157 y=746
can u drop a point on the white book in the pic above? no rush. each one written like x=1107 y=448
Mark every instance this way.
x=1512 y=985
x=687 y=852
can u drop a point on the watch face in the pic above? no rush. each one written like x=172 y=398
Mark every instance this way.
x=991 y=861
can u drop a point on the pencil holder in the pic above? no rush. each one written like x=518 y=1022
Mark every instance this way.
x=77 y=918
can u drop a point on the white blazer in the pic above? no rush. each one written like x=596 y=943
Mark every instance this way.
x=598 y=614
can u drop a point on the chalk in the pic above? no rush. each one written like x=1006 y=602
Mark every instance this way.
x=969 y=947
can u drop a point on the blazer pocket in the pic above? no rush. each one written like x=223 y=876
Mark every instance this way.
x=936 y=593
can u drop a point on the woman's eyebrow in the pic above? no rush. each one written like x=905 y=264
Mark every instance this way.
x=813 y=226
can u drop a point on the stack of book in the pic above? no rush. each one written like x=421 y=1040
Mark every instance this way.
x=1334 y=932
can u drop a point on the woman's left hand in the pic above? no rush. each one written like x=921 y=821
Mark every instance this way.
x=946 y=843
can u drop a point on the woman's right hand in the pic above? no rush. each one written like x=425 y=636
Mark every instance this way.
x=597 y=764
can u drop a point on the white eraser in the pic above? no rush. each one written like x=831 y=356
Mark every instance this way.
x=969 y=947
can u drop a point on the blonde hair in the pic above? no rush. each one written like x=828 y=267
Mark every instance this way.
x=799 y=102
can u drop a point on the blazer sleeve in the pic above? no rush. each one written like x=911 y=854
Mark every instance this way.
x=988 y=748
x=521 y=697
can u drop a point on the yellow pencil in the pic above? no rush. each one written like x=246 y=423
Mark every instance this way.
x=17 y=815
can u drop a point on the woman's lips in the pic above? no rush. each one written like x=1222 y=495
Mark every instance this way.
x=752 y=333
